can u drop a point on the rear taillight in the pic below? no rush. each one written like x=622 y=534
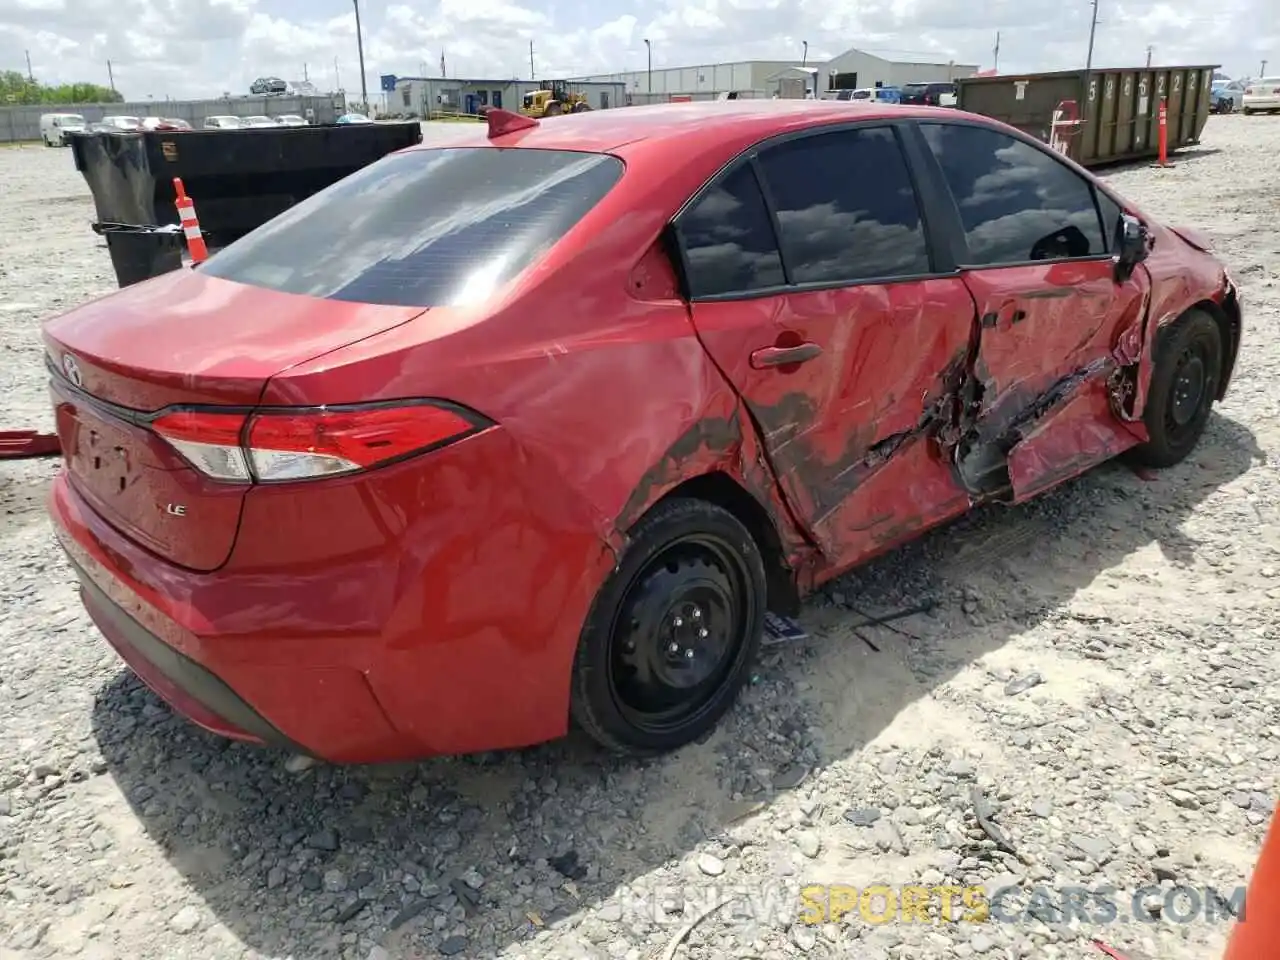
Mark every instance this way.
x=274 y=445
x=1275 y=90
x=1248 y=91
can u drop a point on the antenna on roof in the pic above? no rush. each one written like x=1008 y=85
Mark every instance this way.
x=501 y=122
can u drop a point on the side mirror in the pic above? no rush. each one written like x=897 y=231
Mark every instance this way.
x=1132 y=245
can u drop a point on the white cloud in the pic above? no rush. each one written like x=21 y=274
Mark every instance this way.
x=183 y=48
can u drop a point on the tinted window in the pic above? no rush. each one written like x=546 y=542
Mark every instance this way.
x=728 y=239
x=1017 y=202
x=423 y=228
x=1110 y=211
x=846 y=208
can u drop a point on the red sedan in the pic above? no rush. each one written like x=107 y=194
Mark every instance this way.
x=533 y=428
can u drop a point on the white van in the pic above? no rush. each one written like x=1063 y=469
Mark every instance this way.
x=55 y=126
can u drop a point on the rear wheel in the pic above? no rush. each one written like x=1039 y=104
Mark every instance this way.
x=553 y=109
x=673 y=632
x=1188 y=365
x=1246 y=111
x=581 y=107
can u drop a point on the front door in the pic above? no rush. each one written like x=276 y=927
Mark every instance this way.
x=844 y=339
x=497 y=99
x=1037 y=262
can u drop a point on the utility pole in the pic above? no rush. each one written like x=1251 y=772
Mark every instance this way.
x=1263 y=71
x=996 y=54
x=532 y=74
x=1149 y=49
x=364 y=87
x=337 y=81
x=304 y=74
x=31 y=77
x=1088 y=61
x=1093 y=30
x=111 y=77
x=804 y=58
x=649 y=48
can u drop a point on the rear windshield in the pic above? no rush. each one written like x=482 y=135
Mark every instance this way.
x=424 y=228
x=915 y=88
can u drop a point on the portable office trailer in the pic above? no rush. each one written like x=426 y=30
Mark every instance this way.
x=1119 y=108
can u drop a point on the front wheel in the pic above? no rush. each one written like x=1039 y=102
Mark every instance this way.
x=1184 y=383
x=672 y=633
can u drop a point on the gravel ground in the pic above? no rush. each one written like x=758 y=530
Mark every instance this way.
x=1098 y=679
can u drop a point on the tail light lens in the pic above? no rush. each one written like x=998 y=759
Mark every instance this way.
x=1275 y=90
x=1248 y=91
x=274 y=445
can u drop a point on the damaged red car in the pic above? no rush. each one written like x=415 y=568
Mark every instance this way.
x=533 y=428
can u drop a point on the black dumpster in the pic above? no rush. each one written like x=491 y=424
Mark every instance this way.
x=239 y=179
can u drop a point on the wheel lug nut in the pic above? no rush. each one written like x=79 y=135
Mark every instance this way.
x=696 y=613
x=674 y=648
x=688 y=654
x=702 y=633
x=677 y=621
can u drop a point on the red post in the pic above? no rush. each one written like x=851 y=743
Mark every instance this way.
x=1164 y=132
x=190 y=225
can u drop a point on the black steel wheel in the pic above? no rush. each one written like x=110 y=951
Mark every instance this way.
x=672 y=634
x=1184 y=386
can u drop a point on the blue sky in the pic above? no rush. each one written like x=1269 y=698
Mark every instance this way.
x=183 y=48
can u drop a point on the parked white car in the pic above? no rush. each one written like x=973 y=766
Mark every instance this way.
x=864 y=94
x=223 y=123
x=260 y=122
x=55 y=126
x=291 y=120
x=1261 y=94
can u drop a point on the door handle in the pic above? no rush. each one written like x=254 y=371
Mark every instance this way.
x=1010 y=317
x=767 y=357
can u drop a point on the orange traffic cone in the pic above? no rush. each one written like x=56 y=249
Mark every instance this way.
x=190 y=225
x=1257 y=933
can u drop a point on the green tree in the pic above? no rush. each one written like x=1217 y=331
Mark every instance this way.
x=16 y=88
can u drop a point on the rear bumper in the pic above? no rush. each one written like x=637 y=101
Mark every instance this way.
x=187 y=686
x=1262 y=103
x=395 y=633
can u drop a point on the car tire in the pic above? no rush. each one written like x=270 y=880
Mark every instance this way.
x=673 y=633
x=1246 y=110
x=1184 y=385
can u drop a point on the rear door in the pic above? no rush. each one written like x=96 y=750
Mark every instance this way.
x=816 y=290
x=1036 y=257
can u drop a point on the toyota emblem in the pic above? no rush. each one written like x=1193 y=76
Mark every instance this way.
x=72 y=369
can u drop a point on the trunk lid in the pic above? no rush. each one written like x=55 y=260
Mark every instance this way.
x=180 y=339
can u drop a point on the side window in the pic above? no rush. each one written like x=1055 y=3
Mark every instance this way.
x=846 y=207
x=728 y=239
x=1017 y=202
x=1110 y=211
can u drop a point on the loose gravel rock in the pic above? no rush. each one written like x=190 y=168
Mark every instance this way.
x=1095 y=690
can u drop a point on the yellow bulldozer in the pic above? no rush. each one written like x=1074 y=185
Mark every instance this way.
x=553 y=99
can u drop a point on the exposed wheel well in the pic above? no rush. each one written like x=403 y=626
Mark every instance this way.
x=1227 y=317
x=724 y=491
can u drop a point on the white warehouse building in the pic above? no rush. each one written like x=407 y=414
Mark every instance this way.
x=786 y=78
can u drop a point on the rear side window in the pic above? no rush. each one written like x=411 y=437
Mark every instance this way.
x=423 y=228
x=846 y=208
x=728 y=239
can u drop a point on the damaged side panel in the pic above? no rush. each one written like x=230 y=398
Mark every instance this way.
x=1049 y=334
x=1081 y=432
x=848 y=433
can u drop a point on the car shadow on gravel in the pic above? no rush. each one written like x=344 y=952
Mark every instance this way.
x=474 y=854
